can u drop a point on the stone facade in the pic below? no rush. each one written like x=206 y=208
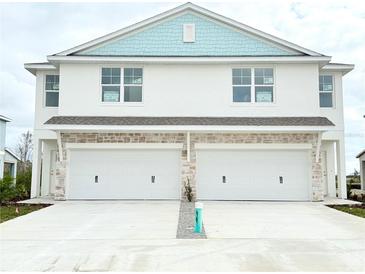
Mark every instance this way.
x=188 y=168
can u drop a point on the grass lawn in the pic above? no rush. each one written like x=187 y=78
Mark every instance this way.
x=358 y=210
x=8 y=212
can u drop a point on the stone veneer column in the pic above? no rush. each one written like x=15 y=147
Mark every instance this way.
x=60 y=181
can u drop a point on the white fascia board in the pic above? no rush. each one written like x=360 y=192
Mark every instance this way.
x=344 y=68
x=72 y=146
x=12 y=154
x=165 y=60
x=203 y=11
x=5 y=119
x=279 y=146
x=105 y=128
x=33 y=67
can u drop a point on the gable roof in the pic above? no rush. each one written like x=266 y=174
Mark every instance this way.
x=360 y=154
x=278 y=42
x=7 y=150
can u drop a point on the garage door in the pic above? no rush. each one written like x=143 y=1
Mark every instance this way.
x=253 y=174
x=124 y=174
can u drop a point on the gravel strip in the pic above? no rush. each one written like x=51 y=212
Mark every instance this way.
x=185 y=229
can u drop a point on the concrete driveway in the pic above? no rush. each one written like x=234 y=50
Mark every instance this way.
x=140 y=236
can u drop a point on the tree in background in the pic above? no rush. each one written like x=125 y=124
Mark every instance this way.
x=24 y=171
x=24 y=150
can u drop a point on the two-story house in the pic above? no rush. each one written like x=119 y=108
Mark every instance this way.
x=189 y=95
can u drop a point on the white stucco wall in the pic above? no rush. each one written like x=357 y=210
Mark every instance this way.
x=190 y=90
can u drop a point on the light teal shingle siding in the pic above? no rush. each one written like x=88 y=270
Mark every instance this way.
x=166 y=39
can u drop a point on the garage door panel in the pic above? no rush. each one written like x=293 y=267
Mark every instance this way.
x=253 y=174
x=124 y=174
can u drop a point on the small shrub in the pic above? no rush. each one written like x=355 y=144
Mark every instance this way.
x=7 y=190
x=188 y=191
x=23 y=184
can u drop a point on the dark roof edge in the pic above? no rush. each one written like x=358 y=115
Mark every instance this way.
x=188 y=121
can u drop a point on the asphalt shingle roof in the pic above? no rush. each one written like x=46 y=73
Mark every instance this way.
x=189 y=121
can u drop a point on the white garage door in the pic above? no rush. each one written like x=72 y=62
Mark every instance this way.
x=253 y=174
x=124 y=174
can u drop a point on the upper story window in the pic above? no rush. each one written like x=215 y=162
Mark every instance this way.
x=110 y=81
x=241 y=80
x=131 y=83
x=133 y=78
x=325 y=91
x=264 y=84
x=52 y=90
x=245 y=81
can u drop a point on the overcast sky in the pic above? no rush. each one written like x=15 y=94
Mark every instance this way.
x=30 y=31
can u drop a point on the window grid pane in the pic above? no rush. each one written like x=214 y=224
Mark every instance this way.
x=52 y=99
x=325 y=100
x=110 y=76
x=241 y=76
x=52 y=82
x=132 y=94
x=111 y=93
x=133 y=76
x=264 y=76
x=325 y=83
x=241 y=94
x=264 y=94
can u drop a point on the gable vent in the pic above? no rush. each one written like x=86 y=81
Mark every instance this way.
x=189 y=33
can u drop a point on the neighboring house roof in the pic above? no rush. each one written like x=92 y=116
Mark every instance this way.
x=344 y=68
x=190 y=121
x=360 y=154
x=12 y=154
x=33 y=67
x=224 y=30
x=3 y=118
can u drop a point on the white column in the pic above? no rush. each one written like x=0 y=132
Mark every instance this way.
x=331 y=175
x=2 y=158
x=36 y=167
x=341 y=167
x=362 y=172
x=45 y=170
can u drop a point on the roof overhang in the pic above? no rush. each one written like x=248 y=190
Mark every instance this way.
x=12 y=154
x=360 y=154
x=5 y=119
x=322 y=60
x=33 y=67
x=108 y=128
x=344 y=68
x=194 y=124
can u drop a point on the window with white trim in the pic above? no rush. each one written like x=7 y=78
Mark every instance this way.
x=326 y=91
x=133 y=80
x=241 y=81
x=264 y=85
x=110 y=84
x=257 y=80
x=52 y=90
